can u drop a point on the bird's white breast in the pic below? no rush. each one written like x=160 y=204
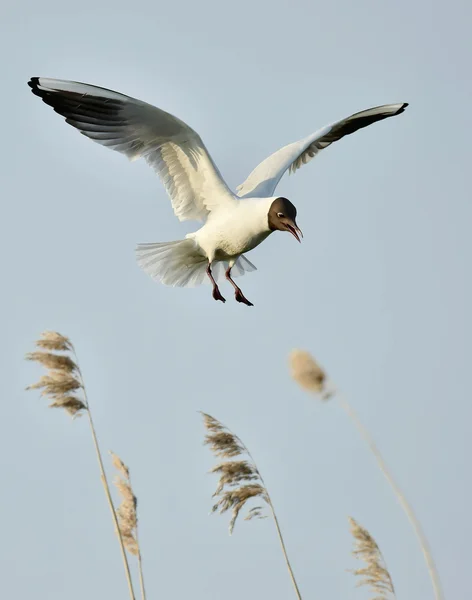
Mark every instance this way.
x=228 y=234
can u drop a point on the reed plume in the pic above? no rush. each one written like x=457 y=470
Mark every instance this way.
x=127 y=514
x=311 y=377
x=64 y=385
x=309 y=374
x=375 y=574
x=239 y=481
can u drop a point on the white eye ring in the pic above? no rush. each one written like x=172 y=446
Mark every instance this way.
x=280 y=215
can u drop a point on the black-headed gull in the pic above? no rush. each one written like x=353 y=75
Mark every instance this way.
x=234 y=223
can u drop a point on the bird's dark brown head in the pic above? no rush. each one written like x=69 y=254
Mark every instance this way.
x=282 y=217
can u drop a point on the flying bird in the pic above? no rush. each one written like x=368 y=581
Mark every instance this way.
x=234 y=223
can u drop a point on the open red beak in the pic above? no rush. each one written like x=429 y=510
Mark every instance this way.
x=294 y=230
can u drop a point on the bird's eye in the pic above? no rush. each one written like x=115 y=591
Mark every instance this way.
x=280 y=215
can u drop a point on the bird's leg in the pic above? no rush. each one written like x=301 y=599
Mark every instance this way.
x=216 y=291
x=237 y=293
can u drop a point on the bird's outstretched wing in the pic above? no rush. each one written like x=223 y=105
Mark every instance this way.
x=265 y=177
x=137 y=129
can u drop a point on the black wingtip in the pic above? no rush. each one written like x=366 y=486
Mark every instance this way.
x=402 y=108
x=34 y=85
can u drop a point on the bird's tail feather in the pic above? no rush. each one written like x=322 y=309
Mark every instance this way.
x=182 y=263
x=179 y=263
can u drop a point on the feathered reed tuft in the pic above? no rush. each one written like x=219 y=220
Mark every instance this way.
x=127 y=511
x=375 y=574
x=308 y=373
x=239 y=480
x=127 y=515
x=52 y=340
x=119 y=465
x=62 y=383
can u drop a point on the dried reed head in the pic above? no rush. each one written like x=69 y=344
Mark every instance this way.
x=51 y=340
x=308 y=373
x=119 y=465
x=375 y=574
x=63 y=377
x=233 y=472
x=221 y=441
x=127 y=511
x=255 y=513
x=239 y=480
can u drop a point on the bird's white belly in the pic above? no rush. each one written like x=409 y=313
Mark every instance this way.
x=237 y=244
x=226 y=239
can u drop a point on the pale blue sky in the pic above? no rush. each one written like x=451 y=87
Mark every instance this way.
x=379 y=291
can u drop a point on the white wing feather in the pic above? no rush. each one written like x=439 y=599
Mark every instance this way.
x=265 y=177
x=137 y=129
